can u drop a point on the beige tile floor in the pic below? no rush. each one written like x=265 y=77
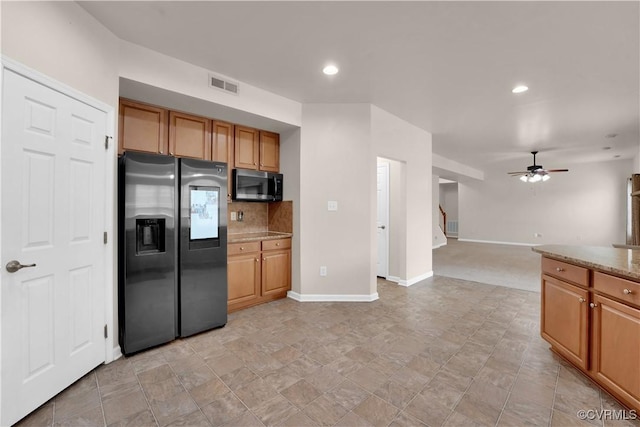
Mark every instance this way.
x=442 y=352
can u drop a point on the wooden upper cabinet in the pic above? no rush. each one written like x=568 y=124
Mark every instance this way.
x=189 y=136
x=222 y=142
x=222 y=135
x=142 y=127
x=246 y=148
x=269 y=151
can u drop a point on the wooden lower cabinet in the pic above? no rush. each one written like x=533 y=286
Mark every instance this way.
x=243 y=279
x=276 y=271
x=616 y=348
x=565 y=319
x=258 y=272
x=596 y=327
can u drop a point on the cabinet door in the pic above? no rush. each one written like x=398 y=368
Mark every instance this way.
x=222 y=142
x=189 y=136
x=269 y=151
x=276 y=271
x=246 y=148
x=616 y=348
x=222 y=148
x=243 y=272
x=564 y=319
x=142 y=128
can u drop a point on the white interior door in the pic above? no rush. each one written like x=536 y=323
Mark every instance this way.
x=383 y=220
x=53 y=217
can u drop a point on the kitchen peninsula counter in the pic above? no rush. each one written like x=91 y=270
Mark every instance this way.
x=590 y=314
x=617 y=261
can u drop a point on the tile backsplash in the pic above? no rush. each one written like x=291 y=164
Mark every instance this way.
x=275 y=216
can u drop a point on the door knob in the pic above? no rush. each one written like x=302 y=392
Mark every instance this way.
x=13 y=266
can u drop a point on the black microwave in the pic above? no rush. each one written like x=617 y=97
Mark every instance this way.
x=256 y=186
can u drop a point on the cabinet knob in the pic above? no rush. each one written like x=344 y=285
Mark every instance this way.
x=241 y=248
x=257 y=260
x=593 y=305
x=264 y=259
x=581 y=299
x=559 y=269
x=627 y=292
x=278 y=244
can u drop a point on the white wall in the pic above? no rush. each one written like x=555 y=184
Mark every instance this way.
x=394 y=138
x=143 y=65
x=586 y=206
x=290 y=168
x=449 y=200
x=61 y=40
x=336 y=165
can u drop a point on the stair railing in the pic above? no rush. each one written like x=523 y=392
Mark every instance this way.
x=443 y=217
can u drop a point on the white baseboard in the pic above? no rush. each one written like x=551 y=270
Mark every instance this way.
x=499 y=243
x=331 y=298
x=117 y=353
x=439 y=245
x=412 y=281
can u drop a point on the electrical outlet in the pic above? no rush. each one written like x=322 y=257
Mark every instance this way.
x=537 y=234
x=332 y=205
x=323 y=270
x=233 y=216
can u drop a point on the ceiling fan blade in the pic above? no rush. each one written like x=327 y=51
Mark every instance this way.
x=518 y=173
x=557 y=170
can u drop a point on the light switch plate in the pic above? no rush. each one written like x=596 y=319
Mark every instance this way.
x=233 y=216
x=332 y=205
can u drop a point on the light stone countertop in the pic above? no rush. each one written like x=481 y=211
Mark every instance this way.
x=622 y=262
x=256 y=236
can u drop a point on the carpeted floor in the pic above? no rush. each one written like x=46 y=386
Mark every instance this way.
x=503 y=265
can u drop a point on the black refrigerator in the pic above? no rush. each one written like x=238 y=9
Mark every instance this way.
x=172 y=248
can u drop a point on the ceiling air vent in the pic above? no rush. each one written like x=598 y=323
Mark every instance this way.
x=222 y=84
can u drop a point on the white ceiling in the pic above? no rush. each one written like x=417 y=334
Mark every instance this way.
x=447 y=67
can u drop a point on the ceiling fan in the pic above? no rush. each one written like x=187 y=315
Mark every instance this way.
x=535 y=173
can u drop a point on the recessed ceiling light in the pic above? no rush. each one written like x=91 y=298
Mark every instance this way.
x=519 y=89
x=611 y=135
x=330 y=70
x=606 y=148
x=616 y=156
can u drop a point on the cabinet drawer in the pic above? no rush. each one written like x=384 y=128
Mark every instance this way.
x=619 y=288
x=242 y=248
x=269 y=245
x=566 y=271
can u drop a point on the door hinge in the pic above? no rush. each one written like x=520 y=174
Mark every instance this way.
x=105 y=238
x=106 y=141
x=106 y=335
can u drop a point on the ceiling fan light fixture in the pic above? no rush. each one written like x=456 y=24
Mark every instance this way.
x=524 y=178
x=545 y=178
